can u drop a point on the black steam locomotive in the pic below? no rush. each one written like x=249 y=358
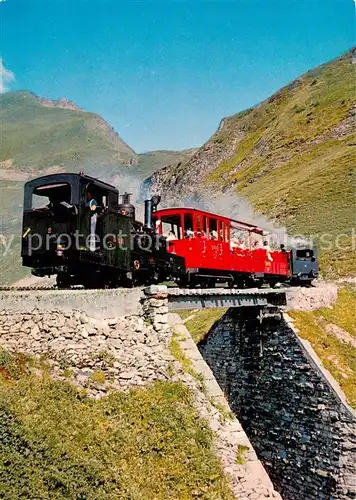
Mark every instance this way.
x=75 y=227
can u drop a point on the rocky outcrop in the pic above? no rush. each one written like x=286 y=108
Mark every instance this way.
x=62 y=103
x=322 y=294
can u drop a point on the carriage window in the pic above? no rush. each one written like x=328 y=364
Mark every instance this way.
x=188 y=226
x=47 y=195
x=213 y=229
x=171 y=226
x=239 y=238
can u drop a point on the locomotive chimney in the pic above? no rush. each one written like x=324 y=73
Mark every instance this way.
x=148 y=213
x=150 y=207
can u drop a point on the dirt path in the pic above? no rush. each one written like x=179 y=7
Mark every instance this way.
x=340 y=334
x=308 y=299
x=34 y=280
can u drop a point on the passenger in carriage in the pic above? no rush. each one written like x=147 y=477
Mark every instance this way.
x=213 y=235
x=234 y=243
x=268 y=250
x=171 y=236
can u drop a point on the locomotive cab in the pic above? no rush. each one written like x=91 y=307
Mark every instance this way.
x=66 y=220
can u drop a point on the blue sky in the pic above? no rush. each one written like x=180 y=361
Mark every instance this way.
x=164 y=73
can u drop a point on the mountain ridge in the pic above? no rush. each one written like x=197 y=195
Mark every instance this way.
x=40 y=133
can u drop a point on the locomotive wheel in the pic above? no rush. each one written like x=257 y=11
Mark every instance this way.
x=64 y=280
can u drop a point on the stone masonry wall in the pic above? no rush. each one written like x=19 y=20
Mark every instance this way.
x=302 y=430
x=115 y=352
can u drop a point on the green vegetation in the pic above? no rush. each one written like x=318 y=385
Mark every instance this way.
x=185 y=313
x=57 y=443
x=241 y=452
x=11 y=195
x=202 y=321
x=150 y=162
x=342 y=313
x=187 y=365
x=178 y=353
x=338 y=357
x=98 y=377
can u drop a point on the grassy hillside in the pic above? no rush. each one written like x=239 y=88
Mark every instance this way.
x=332 y=333
x=292 y=157
x=150 y=162
x=35 y=136
x=11 y=196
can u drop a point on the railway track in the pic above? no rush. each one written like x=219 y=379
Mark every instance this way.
x=171 y=290
x=35 y=288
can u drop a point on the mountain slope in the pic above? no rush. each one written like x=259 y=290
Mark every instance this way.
x=151 y=161
x=38 y=133
x=292 y=157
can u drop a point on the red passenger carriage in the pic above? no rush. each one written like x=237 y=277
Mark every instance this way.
x=217 y=248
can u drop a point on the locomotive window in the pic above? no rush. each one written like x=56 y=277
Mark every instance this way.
x=99 y=195
x=43 y=196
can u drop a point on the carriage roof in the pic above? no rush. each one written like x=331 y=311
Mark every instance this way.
x=234 y=222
